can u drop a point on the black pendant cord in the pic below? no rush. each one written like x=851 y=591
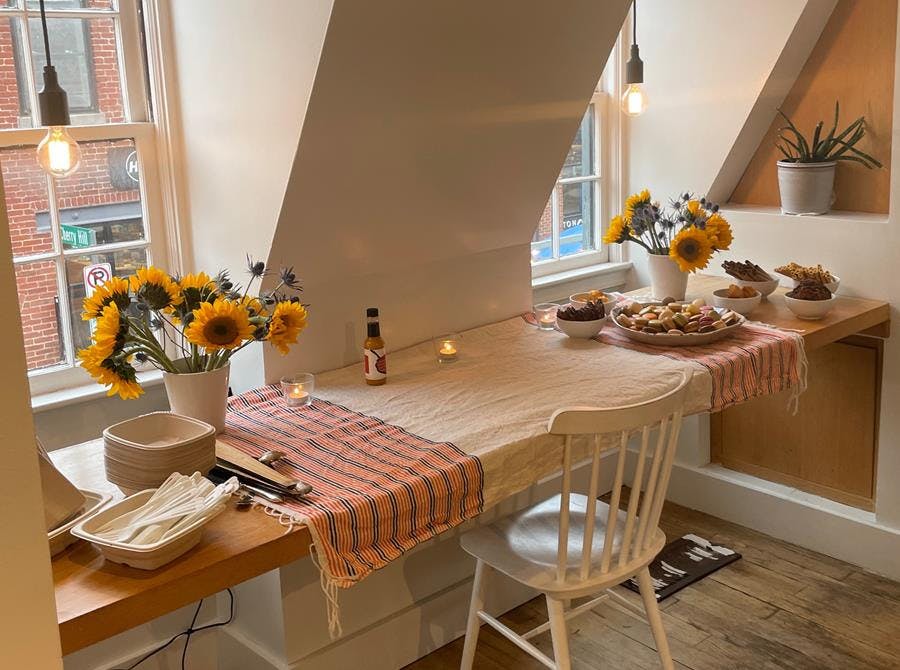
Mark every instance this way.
x=633 y=21
x=46 y=35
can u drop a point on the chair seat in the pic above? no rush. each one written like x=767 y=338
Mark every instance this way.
x=524 y=546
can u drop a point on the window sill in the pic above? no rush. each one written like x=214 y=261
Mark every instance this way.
x=763 y=214
x=84 y=393
x=560 y=285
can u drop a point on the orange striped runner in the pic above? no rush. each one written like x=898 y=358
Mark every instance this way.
x=378 y=490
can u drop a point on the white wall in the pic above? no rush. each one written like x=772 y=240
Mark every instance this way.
x=29 y=637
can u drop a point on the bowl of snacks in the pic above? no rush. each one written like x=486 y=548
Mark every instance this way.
x=581 y=299
x=582 y=322
x=672 y=323
x=741 y=299
x=799 y=273
x=810 y=300
x=750 y=274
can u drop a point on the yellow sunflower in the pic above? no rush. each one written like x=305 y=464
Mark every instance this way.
x=632 y=202
x=288 y=319
x=119 y=377
x=223 y=324
x=618 y=231
x=695 y=209
x=156 y=288
x=719 y=232
x=115 y=289
x=691 y=249
x=108 y=332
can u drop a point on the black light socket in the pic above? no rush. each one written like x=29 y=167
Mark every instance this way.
x=53 y=101
x=634 y=68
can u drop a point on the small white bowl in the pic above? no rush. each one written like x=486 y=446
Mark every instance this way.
x=810 y=310
x=764 y=287
x=580 y=329
x=581 y=299
x=831 y=286
x=740 y=305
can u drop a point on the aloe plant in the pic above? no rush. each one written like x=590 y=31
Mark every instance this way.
x=831 y=147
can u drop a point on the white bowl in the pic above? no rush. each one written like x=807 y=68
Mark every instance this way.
x=764 y=287
x=580 y=299
x=580 y=329
x=831 y=286
x=740 y=305
x=809 y=310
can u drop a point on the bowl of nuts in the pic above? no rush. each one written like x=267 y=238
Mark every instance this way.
x=581 y=299
x=741 y=299
x=582 y=322
x=810 y=300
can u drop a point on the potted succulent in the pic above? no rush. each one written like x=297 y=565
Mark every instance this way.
x=806 y=173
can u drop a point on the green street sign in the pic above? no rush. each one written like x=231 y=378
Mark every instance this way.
x=76 y=237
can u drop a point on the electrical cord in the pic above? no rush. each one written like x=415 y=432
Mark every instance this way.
x=188 y=633
x=46 y=36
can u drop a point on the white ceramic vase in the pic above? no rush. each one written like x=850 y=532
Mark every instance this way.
x=806 y=188
x=199 y=395
x=666 y=279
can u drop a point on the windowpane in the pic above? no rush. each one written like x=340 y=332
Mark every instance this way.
x=576 y=202
x=53 y=5
x=542 y=242
x=85 y=56
x=27 y=201
x=39 y=309
x=121 y=263
x=580 y=159
x=101 y=202
x=12 y=85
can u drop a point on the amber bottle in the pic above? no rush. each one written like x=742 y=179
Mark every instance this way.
x=374 y=357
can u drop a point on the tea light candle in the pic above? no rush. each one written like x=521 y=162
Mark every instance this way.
x=545 y=314
x=297 y=389
x=447 y=348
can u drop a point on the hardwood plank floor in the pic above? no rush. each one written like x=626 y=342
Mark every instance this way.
x=780 y=607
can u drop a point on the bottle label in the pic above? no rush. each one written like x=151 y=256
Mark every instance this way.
x=375 y=363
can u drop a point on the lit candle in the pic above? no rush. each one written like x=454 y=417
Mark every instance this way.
x=297 y=389
x=446 y=347
x=545 y=314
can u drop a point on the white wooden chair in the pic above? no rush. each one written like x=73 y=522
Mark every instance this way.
x=572 y=545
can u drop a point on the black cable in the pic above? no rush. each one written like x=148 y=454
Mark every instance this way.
x=46 y=36
x=188 y=633
x=634 y=23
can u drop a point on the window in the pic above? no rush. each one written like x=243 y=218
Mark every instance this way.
x=105 y=218
x=571 y=226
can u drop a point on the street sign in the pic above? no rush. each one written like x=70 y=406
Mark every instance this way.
x=76 y=237
x=95 y=275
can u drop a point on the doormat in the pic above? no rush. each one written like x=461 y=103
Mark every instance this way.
x=683 y=562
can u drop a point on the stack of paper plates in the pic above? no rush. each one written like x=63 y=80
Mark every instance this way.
x=141 y=453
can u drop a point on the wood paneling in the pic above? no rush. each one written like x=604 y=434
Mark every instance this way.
x=829 y=447
x=853 y=62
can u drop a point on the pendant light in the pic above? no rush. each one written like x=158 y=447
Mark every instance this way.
x=58 y=154
x=634 y=100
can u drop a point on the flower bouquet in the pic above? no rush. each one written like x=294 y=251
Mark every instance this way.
x=680 y=239
x=188 y=327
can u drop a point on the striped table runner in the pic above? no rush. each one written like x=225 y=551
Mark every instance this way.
x=753 y=361
x=378 y=489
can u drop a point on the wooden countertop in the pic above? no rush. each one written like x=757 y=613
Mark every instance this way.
x=96 y=599
x=850 y=316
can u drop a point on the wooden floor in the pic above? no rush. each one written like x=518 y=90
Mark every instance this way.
x=781 y=606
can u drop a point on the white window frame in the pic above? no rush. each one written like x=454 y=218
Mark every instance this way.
x=140 y=128
x=605 y=176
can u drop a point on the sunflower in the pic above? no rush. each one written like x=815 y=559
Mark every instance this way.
x=156 y=288
x=113 y=371
x=288 y=319
x=114 y=290
x=109 y=332
x=196 y=288
x=635 y=200
x=618 y=231
x=719 y=232
x=691 y=249
x=223 y=324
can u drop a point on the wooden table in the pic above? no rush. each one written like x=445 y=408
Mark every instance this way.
x=96 y=599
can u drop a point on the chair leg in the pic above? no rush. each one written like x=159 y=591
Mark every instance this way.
x=559 y=633
x=474 y=623
x=645 y=581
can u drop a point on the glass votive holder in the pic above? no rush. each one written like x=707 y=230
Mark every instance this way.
x=446 y=348
x=545 y=315
x=298 y=389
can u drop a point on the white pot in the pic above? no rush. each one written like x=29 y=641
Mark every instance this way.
x=666 y=279
x=806 y=188
x=199 y=395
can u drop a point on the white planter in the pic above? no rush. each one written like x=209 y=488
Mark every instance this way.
x=806 y=188
x=199 y=395
x=666 y=279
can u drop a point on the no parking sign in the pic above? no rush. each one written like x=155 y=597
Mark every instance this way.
x=95 y=275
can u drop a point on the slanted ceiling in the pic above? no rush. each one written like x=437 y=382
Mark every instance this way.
x=433 y=134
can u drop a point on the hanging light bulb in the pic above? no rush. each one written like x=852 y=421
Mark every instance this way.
x=634 y=99
x=58 y=154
